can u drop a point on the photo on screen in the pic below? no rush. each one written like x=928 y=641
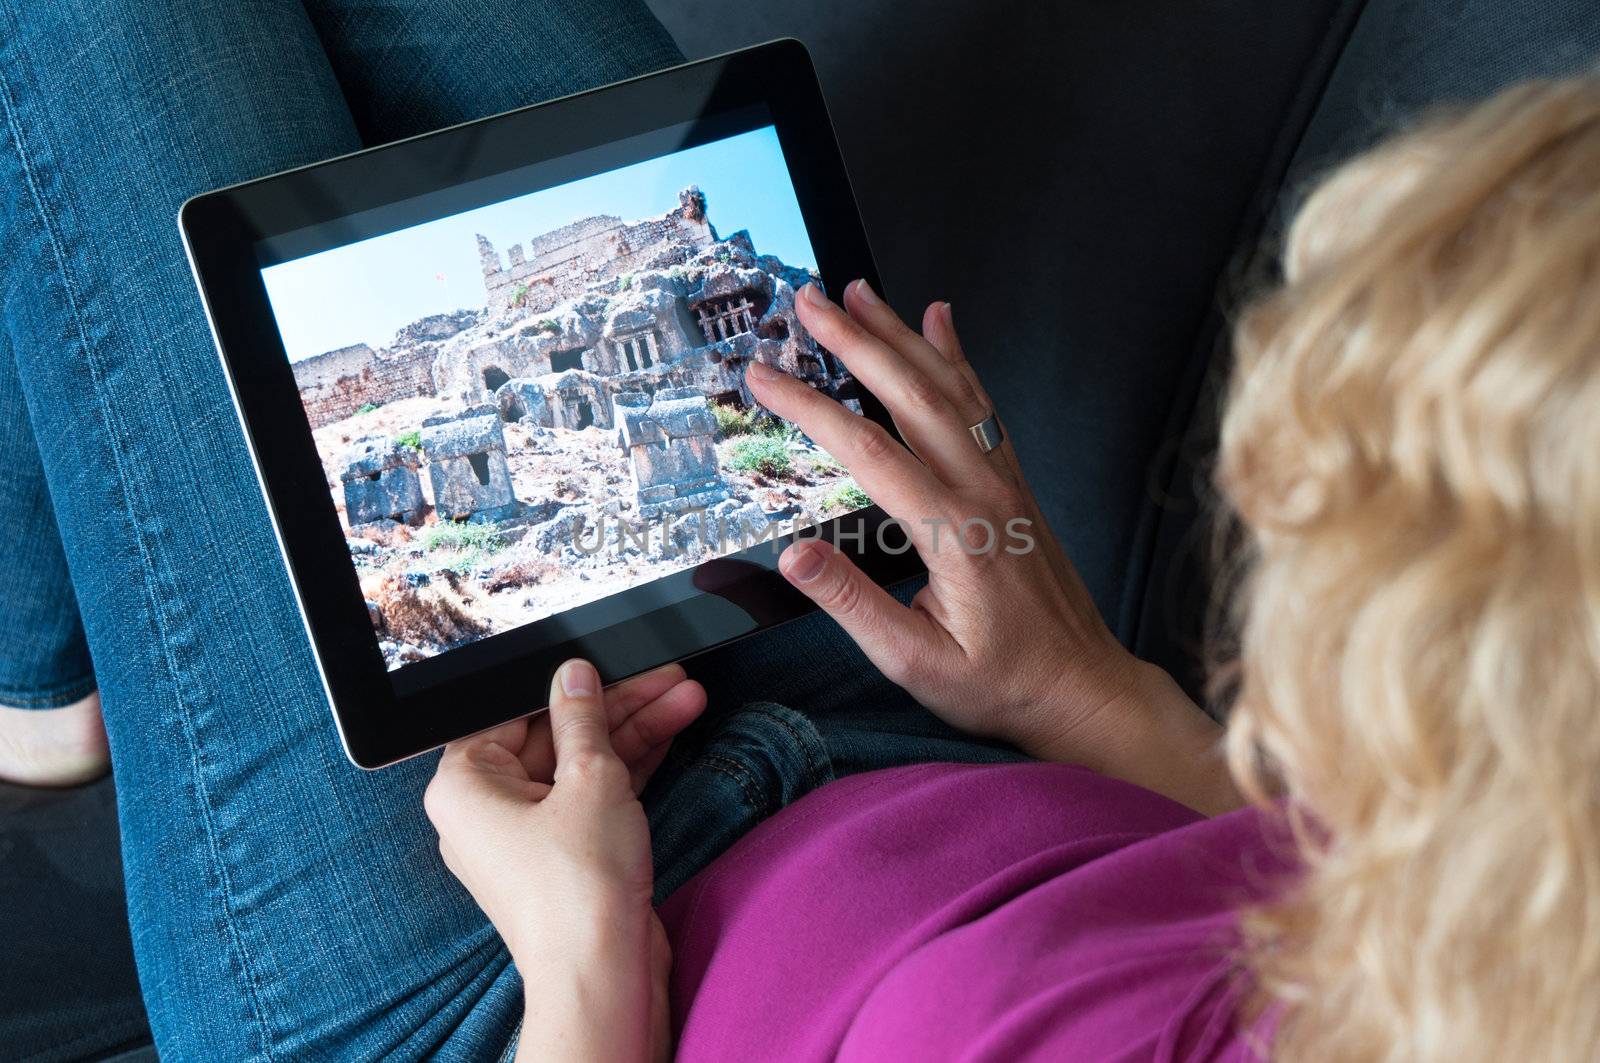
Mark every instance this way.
x=540 y=402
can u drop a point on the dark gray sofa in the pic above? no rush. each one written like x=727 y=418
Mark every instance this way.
x=1087 y=182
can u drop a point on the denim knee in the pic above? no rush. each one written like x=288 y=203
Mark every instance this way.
x=712 y=790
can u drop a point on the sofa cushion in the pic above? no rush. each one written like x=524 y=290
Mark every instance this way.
x=1401 y=57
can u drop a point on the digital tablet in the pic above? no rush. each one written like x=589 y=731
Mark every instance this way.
x=492 y=380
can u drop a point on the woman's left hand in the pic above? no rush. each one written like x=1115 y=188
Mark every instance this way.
x=1004 y=641
x=540 y=820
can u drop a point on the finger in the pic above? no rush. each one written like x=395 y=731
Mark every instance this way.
x=893 y=637
x=655 y=725
x=485 y=753
x=939 y=329
x=578 y=731
x=885 y=470
x=879 y=318
x=538 y=755
x=510 y=735
x=938 y=326
x=925 y=416
x=470 y=768
x=472 y=775
x=622 y=701
x=631 y=695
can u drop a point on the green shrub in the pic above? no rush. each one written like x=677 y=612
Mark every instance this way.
x=366 y=407
x=732 y=421
x=764 y=454
x=625 y=282
x=771 y=426
x=470 y=543
x=550 y=324
x=412 y=439
x=519 y=295
x=846 y=496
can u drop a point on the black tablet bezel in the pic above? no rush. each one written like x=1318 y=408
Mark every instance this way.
x=506 y=675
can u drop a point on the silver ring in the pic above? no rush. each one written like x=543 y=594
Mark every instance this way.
x=988 y=434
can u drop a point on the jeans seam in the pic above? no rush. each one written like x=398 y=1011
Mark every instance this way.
x=742 y=776
x=57 y=250
x=509 y=1055
x=813 y=773
x=52 y=697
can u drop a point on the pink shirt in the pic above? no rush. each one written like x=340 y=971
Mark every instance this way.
x=997 y=912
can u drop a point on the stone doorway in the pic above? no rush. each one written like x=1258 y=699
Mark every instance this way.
x=493 y=378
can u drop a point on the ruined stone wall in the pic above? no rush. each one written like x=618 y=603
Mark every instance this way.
x=560 y=264
x=555 y=247
x=337 y=384
x=327 y=368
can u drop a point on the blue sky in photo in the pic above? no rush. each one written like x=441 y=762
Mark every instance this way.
x=365 y=292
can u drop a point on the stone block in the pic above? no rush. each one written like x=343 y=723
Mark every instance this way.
x=670 y=440
x=380 y=482
x=467 y=466
x=523 y=399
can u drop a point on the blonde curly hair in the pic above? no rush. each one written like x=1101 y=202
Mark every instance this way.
x=1412 y=446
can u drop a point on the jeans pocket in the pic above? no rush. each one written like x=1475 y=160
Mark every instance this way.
x=753 y=762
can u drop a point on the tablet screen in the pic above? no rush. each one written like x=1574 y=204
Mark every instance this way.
x=538 y=402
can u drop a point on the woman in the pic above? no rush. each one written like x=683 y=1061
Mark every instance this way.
x=1411 y=444
x=286 y=907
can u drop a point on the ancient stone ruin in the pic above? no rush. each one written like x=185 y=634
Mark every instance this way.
x=659 y=303
x=557 y=265
x=380 y=482
x=467 y=465
x=670 y=440
x=569 y=414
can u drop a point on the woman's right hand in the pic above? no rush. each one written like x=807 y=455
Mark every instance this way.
x=1004 y=641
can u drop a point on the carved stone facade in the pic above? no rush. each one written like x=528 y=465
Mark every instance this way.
x=695 y=326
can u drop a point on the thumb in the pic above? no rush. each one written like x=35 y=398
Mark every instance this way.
x=579 y=730
x=892 y=636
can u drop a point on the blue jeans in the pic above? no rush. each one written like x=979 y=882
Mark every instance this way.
x=285 y=905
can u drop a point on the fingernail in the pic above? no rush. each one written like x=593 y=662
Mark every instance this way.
x=813 y=295
x=807 y=562
x=579 y=679
x=865 y=293
x=761 y=371
x=949 y=315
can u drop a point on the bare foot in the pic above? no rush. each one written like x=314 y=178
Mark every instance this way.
x=53 y=747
